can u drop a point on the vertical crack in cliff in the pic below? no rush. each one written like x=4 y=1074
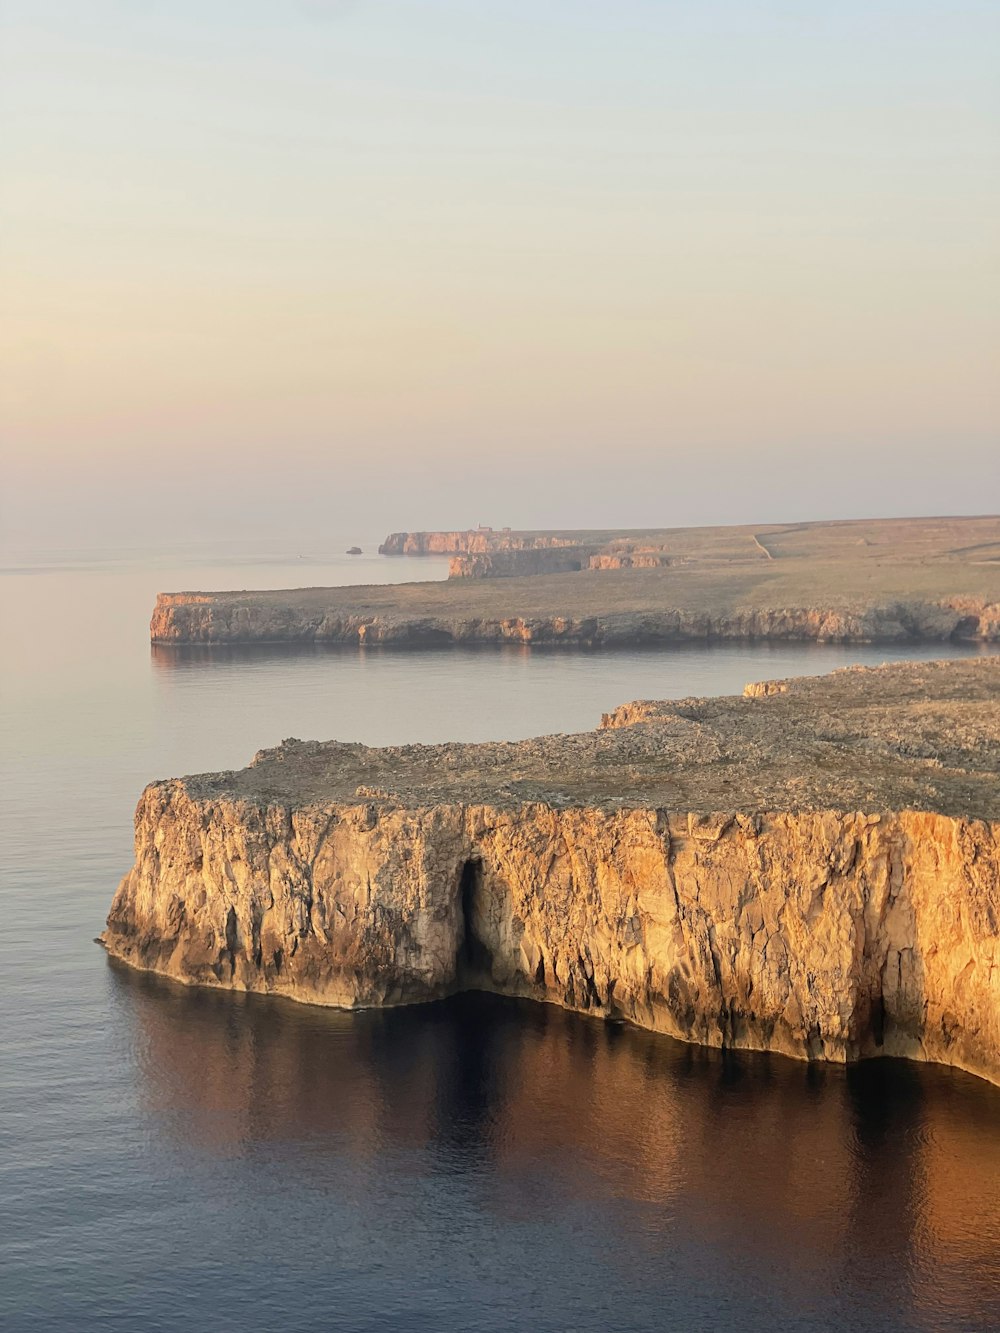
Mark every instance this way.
x=475 y=958
x=227 y=954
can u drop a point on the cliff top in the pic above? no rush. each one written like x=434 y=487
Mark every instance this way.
x=905 y=736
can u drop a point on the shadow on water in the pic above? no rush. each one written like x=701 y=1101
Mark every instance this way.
x=879 y=1184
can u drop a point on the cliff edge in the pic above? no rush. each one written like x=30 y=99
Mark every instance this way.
x=812 y=869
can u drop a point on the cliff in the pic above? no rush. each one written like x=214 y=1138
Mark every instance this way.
x=517 y=563
x=481 y=553
x=886 y=581
x=416 y=616
x=813 y=870
x=473 y=541
x=484 y=553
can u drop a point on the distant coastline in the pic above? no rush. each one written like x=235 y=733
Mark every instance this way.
x=871 y=581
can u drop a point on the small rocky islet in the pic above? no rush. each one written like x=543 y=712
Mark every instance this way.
x=812 y=869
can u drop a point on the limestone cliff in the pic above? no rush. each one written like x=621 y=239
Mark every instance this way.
x=630 y=559
x=418 y=615
x=814 y=871
x=518 y=563
x=472 y=541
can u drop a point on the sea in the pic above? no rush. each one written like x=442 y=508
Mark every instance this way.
x=175 y=1160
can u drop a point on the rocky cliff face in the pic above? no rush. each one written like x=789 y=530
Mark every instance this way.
x=557 y=559
x=299 y=617
x=482 y=553
x=683 y=869
x=825 y=934
x=639 y=559
x=471 y=541
x=519 y=563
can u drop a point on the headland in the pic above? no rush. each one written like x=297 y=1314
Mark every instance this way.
x=811 y=869
x=888 y=581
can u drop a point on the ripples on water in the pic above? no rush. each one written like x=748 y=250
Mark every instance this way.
x=185 y=1160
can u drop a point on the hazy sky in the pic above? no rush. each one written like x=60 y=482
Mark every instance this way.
x=290 y=264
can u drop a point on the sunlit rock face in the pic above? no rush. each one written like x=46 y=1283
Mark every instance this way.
x=604 y=873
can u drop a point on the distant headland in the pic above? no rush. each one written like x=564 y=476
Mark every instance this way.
x=884 y=581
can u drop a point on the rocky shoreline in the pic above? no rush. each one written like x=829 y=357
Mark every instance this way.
x=813 y=869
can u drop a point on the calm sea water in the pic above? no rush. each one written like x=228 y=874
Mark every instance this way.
x=178 y=1160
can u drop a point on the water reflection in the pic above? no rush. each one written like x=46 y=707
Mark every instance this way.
x=879 y=1185
x=805 y=657
x=214 y=694
x=168 y=658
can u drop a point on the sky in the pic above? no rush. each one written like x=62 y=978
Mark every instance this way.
x=310 y=265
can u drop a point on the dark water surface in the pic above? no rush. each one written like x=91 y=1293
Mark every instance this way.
x=183 y=1160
